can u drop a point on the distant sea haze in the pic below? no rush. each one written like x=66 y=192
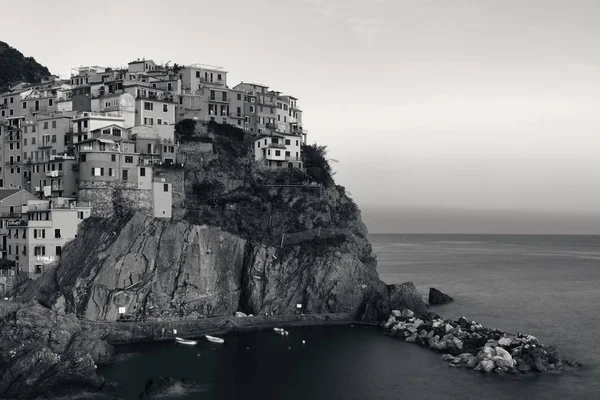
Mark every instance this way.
x=386 y=219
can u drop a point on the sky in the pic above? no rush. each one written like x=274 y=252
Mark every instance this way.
x=456 y=116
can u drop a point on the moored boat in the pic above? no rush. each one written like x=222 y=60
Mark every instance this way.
x=214 y=339
x=186 y=341
x=279 y=330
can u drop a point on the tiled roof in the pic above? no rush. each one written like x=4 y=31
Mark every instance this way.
x=4 y=193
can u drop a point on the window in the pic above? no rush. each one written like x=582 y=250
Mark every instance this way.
x=125 y=174
x=53 y=124
x=197 y=74
x=252 y=109
x=142 y=171
x=159 y=121
x=45 y=125
x=287 y=141
x=239 y=96
x=113 y=157
x=25 y=143
x=224 y=96
x=148 y=106
x=79 y=214
x=129 y=159
x=148 y=121
x=277 y=152
x=219 y=77
x=81 y=157
x=106 y=131
x=116 y=132
x=165 y=108
x=50 y=102
x=58 y=251
x=24 y=105
x=53 y=138
x=287 y=154
x=96 y=171
x=57 y=233
x=166 y=187
x=110 y=172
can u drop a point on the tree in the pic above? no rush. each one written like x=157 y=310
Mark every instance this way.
x=317 y=163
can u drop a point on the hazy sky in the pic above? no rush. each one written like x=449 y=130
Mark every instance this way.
x=439 y=105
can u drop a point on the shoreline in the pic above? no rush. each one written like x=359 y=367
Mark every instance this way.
x=125 y=333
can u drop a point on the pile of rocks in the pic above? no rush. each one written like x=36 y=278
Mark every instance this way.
x=469 y=344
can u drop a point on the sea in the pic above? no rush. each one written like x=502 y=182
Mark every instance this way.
x=547 y=286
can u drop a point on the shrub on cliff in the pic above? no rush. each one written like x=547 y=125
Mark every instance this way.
x=316 y=163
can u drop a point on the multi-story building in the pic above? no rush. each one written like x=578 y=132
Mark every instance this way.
x=35 y=239
x=204 y=94
x=277 y=150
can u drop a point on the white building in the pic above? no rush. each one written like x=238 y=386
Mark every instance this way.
x=278 y=150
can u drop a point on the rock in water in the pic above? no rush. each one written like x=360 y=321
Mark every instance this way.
x=165 y=386
x=406 y=295
x=437 y=297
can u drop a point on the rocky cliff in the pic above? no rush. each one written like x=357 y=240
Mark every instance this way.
x=241 y=246
x=158 y=268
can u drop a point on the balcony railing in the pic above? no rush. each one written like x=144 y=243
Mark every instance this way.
x=38 y=224
x=54 y=174
x=11 y=138
x=277 y=145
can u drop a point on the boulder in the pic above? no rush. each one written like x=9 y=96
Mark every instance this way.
x=90 y=342
x=486 y=366
x=505 y=342
x=406 y=313
x=436 y=297
x=165 y=386
x=406 y=295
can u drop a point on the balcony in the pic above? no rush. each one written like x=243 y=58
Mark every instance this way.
x=276 y=145
x=12 y=138
x=214 y=82
x=54 y=174
x=236 y=115
x=13 y=163
x=271 y=125
x=39 y=224
x=47 y=145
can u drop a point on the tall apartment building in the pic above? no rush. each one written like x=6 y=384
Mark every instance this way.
x=33 y=237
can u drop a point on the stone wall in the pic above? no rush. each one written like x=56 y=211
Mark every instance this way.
x=102 y=196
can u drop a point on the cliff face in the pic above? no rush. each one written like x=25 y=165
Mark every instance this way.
x=250 y=240
x=156 y=268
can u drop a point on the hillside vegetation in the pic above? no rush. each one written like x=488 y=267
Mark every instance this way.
x=15 y=67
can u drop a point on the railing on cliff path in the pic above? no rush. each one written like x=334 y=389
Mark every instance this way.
x=288 y=239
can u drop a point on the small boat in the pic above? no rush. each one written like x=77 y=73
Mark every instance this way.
x=214 y=339
x=279 y=330
x=185 y=341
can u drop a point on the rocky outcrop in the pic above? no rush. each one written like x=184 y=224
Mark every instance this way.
x=161 y=387
x=159 y=269
x=436 y=297
x=43 y=353
x=469 y=344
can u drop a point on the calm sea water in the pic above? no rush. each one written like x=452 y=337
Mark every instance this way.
x=548 y=286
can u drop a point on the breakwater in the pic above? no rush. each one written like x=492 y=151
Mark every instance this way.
x=469 y=344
